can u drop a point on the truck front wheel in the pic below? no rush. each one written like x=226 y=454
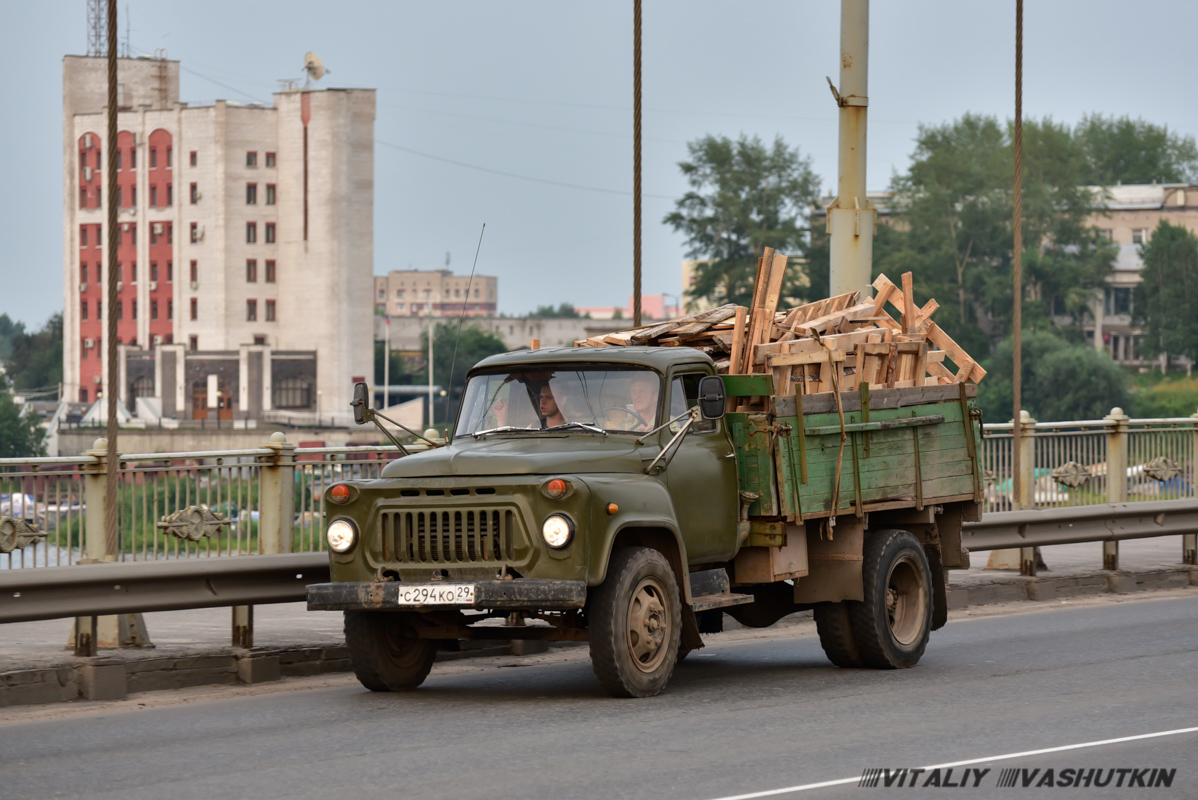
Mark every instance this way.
x=891 y=627
x=635 y=623
x=385 y=653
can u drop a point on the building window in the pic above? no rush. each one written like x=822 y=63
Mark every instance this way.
x=98 y=274
x=251 y=271
x=251 y=159
x=399 y=293
x=83 y=311
x=270 y=194
x=251 y=232
x=251 y=194
x=83 y=198
x=119 y=161
x=170 y=233
x=1139 y=235
x=83 y=236
x=153 y=197
x=400 y=306
x=154 y=272
x=194 y=271
x=99 y=309
x=120 y=198
x=170 y=194
x=259 y=339
x=170 y=272
x=195 y=232
x=270 y=233
x=270 y=310
x=170 y=158
x=194 y=158
x=292 y=393
x=153 y=309
x=133 y=274
x=120 y=309
x=457 y=292
x=195 y=310
x=270 y=159
x=132 y=158
x=270 y=271
x=195 y=194
x=83 y=159
x=153 y=158
x=135 y=309
x=170 y=309
x=251 y=310
x=193 y=343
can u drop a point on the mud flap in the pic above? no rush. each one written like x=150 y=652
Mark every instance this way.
x=939 y=588
x=690 y=631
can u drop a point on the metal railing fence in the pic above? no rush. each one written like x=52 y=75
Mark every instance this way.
x=184 y=505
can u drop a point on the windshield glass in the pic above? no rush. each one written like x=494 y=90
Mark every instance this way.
x=618 y=400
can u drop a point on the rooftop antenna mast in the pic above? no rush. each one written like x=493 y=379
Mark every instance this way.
x=97 y=35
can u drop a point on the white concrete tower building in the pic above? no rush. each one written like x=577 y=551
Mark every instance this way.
x=242 y=226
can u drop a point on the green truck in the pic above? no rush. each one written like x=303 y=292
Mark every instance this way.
x=608 y=496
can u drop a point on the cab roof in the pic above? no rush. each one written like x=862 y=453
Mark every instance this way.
x=658 y=358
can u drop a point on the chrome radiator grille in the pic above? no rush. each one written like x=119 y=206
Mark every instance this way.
x=457 y=536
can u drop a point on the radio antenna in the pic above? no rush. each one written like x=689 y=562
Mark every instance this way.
x=453 y=362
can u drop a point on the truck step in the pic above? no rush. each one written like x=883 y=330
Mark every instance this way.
x=708 y=602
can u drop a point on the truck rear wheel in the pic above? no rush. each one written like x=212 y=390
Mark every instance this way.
x=636 y=623
x=384 y=653
x=891 y=627
x=834 y=623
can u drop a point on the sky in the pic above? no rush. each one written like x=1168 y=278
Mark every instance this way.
x=518 y=114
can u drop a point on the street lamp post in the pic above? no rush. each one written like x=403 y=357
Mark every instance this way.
x=319 y=394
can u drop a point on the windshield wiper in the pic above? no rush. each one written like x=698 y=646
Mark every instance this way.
x=503 y=429
x=585 y=426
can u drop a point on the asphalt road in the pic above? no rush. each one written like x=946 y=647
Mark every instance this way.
x=740 y=717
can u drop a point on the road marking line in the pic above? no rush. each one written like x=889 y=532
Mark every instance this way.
x=842 y=781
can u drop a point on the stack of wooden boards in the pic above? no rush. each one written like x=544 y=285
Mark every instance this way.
x=835 y=344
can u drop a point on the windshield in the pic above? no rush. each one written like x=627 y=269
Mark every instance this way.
x=617 y=400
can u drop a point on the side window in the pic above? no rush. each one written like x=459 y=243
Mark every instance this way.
x=684 y=395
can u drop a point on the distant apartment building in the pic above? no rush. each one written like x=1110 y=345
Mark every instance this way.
x=653 y=306
x=1127 y=215
x=241 y=226
x=436 y=293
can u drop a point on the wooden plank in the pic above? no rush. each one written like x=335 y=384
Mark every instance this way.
x=938 y=337
x=879 y=399
x=908 y=302
x=738 y=340
x=821 y=324
x=794 y=359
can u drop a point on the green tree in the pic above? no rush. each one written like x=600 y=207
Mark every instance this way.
x=1061 y=380
x=564 y=310
x=956 y=227
x=399 y=374
x=1164 y=301
x=32 y=360
x=744 y=196
x=21 y=435
x=474 y=345
x=1124 y=150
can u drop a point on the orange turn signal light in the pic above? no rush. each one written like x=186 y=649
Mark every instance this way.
x=339 y=493
x=556 y=488
x=612 y=508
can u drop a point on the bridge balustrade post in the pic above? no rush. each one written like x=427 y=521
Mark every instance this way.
x=86 y=635
x=1027 y=485
x=1116 y=475
x=1189 y=541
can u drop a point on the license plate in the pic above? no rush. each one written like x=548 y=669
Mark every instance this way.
x=448 y=594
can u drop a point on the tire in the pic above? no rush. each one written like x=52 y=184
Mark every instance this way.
x=834 y=623
x=636 y=623
x=891 y=627
x=384 y=659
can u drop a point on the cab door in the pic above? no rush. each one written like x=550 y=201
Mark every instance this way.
x=701 y=477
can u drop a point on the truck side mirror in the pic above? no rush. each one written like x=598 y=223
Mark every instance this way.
x=361 y=403
x=712 y=397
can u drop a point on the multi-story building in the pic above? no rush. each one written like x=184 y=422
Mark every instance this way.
x=1127 y=215
x=240 y=226
x=435 y=293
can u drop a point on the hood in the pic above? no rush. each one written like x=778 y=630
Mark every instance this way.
x=526 y=454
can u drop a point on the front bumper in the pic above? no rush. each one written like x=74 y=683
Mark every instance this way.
x=517 y=594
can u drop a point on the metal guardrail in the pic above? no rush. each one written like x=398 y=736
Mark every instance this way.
x=125 y=588
x=1110 y=522
x=129 y=588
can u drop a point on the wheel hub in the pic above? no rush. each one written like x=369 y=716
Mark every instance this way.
x=648 y=625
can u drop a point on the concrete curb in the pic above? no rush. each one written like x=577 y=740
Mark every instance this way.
x=111 y=677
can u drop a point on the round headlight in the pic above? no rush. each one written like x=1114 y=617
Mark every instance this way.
x=558 y=531
x=341 y=535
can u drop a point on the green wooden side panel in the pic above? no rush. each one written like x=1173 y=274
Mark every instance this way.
x=751 y=437
x=945 y=467
x=748 y=385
